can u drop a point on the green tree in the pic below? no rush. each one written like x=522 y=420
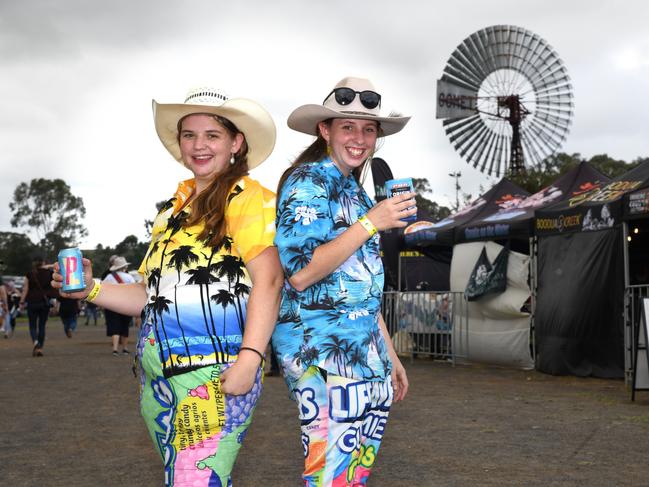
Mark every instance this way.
x=132 y=250
x=148 y=224
x=16 y=252
x=429 y=208
x=129 y=248
x=612 y=167
x=51 y=211
x=544 y=173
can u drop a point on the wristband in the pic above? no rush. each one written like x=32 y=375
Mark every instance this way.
x=95 y=291
x=253 y=350
x=367 y=225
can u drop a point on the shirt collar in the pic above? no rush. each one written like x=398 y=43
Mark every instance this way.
x=183 y=192
x=335 y=172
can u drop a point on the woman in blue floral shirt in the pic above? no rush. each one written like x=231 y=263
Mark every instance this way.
x=331 y=341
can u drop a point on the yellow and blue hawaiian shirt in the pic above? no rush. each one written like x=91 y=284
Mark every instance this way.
x=197 y=294
x=333 y=324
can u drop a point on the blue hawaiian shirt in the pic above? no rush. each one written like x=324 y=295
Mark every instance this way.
x=333 y=324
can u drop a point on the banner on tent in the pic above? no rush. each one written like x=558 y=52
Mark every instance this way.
x=568 y=221
x=638 y=203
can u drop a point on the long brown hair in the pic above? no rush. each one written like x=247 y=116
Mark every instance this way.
x=210 y=204
x=317 y=151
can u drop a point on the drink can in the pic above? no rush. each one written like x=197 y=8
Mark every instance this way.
x=71 y=268
x=394 y=187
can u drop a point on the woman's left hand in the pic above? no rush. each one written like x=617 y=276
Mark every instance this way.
x=239 y=378
x=399 y=379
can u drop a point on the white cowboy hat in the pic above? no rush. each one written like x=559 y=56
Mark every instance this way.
x=305 y=119
x=248 y=116
x=118 y=263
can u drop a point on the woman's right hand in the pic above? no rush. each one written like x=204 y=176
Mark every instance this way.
x=389 y=212
x=57 y=281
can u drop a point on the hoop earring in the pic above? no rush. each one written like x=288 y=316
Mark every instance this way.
x=232 y=159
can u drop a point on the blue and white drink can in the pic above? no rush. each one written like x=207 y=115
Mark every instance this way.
x=71 y=268
x=394 y=187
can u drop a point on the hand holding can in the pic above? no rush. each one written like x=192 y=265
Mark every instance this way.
x=71 y=268
x=394 y=187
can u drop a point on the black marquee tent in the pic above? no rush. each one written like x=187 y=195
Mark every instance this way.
x=580 y=265
x=580 y=281
x=516 y=220
x=435 y=240
x=501 y=196
x=636 y=213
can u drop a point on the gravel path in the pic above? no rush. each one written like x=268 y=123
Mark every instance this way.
x=71 y=418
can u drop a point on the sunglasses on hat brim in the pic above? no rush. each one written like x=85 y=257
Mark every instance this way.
x=344 y=96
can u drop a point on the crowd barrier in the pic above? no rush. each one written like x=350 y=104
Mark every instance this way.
x=427 y=323
x=633 y=296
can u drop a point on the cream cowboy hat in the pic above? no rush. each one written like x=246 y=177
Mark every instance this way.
x=305 y=119
x=249 y=117
x=118 y=263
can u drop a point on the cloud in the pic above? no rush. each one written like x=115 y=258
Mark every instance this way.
x=79 y=78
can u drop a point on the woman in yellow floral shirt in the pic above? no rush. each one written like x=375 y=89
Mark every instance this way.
x=211 y=291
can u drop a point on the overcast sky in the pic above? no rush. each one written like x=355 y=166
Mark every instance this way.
x=77 y=78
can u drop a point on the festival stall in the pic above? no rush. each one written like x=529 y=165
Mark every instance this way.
x=499 y=326
x=580 y=281
x=636 y=214
x=514 y=219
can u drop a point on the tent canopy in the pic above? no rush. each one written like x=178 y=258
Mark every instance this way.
x=517 y=219
x=579 y=328
x=596 y=210
x=442 y=233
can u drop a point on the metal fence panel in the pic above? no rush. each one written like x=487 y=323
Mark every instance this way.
x=633 y=296
x=425 y=322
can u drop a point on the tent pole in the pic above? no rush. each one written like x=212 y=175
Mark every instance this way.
x=629 y=327
x=533 y=283
x=399 y=272
x=625 y=246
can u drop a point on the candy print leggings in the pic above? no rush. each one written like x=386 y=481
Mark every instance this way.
x=197 y=429
x=343 y=421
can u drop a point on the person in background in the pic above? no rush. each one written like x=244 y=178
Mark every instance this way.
x=36 y=295
x=13 y=305
x=111 y=261
x=91 y=312
x=331 y=341
x=68 y=311
x=211 y=287
x=274 y=364
x=117 y=324
x=4 y=308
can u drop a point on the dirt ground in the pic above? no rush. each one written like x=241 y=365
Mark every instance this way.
x=71 y=418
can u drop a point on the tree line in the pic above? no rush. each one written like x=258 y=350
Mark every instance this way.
x=47 y=209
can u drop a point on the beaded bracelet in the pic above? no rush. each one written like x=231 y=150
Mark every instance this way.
x=94 y=292
x=367 y=225
x=253 y=350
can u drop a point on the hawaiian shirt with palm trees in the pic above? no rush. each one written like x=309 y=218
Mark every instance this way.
x=333 y=324
x=197 y=294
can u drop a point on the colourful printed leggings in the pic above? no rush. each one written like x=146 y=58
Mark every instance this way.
x=196 y=428
x=343 y=421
